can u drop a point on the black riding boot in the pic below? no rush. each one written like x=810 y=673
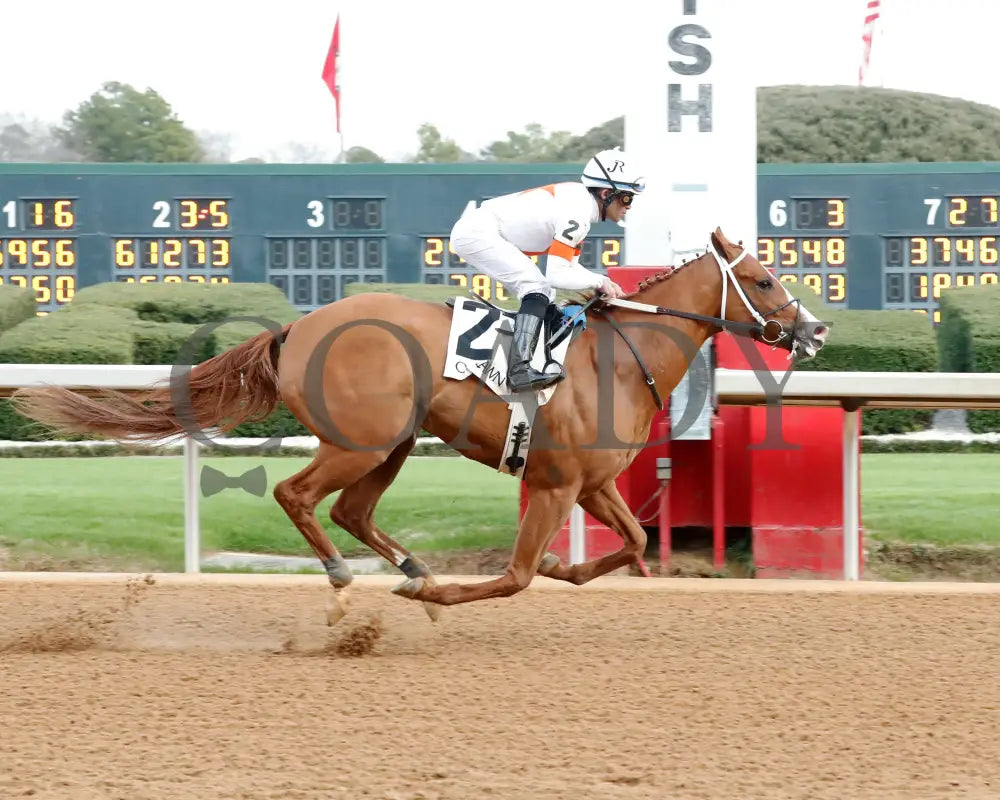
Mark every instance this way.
x=521 y=376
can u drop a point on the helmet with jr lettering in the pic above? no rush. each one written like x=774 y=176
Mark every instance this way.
x=612 y=169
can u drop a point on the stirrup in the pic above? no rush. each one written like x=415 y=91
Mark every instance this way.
x=534 y=384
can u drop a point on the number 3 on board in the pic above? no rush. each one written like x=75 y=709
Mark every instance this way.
x=316 y=207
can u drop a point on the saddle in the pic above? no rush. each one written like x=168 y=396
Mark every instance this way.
x=478 y=344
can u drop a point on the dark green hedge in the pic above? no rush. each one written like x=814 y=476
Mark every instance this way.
x=17 y=304
x=133 y=323
x=969 y=334
x=95 y=335
x=879 y=341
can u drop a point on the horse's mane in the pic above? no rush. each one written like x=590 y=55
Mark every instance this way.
x=651 y=280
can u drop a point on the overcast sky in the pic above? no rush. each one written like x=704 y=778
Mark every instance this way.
x=475 y=69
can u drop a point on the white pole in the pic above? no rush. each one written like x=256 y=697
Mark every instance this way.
x=851 y=509
x=577 y=536
x=192 y=535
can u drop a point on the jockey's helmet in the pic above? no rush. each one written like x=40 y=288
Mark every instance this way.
x=613 y=169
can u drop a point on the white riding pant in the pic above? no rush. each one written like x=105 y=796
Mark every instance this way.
x=476 y=238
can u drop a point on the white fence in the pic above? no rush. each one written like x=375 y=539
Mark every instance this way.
x=732 y=387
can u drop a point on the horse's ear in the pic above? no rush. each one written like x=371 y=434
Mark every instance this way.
x=719 y=240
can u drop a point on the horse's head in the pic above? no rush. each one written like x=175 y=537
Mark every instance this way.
x=753 y=295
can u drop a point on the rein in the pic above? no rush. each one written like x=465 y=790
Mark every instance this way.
x=758 y=327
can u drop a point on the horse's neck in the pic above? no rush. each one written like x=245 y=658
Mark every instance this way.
x=695 y=288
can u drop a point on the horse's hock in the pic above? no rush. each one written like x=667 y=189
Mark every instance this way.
x=233 y=686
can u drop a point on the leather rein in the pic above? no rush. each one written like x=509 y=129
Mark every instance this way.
x=758 y=327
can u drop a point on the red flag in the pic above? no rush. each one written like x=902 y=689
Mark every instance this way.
x=331 y=68
x=871 y=17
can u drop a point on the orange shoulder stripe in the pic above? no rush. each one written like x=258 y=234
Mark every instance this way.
x=551 y=189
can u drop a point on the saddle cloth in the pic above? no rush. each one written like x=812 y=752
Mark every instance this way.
x=478 y=347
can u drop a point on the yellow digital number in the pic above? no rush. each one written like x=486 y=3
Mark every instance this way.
x=958 y=208
x=220 y=217
x=433 y=248
x=218 y=279
x=837 y=288
x=835 y=213
x=940 y=281
x=922 y=286
x=220 y=252
x=836 y=251
x=988 y=279
x=943 y=249
x=918 y=250
x=789 y=253
x=483 y=286
x=189 y=213
x=63 y=216
x=65 y=254
x=124 y=253
x=814 y=282
x=38 y=214
x=40 y=285
x=966 y=248
x=18 y=248
x=173 y=279
x=65 y=288
x=40 y=252
x=991 y=208
x=196 y=278
x=765 y=252
x=812 y=249
x=171 y=252
x=610 y=251
x=198 y=245
x=458 y=279
x=988 y=250
x=965 y=279
x=154 y=252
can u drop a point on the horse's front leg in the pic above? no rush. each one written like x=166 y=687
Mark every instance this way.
x=547 y=510
x=607 y=506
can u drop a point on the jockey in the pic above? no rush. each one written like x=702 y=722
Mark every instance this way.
x=552 y=220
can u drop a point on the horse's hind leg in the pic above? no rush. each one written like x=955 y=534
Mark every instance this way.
x=354 y=511
x=608 y=506
x=330 y=470
x=545 y=513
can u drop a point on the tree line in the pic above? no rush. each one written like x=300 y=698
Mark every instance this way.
x=795 y=124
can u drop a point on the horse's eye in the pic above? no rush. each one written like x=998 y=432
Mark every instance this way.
x=765 y=285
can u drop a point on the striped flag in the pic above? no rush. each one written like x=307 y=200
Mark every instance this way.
x=872 y=13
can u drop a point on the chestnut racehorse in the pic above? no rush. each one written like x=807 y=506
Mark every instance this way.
x=364 y=374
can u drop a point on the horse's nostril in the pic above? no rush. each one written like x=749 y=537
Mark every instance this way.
x=820 y=331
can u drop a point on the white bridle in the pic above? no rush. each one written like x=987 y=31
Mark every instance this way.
x=725 y=270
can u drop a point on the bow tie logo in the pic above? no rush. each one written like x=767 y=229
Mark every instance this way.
x=253 y=481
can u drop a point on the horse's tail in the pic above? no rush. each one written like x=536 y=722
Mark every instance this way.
x=238 y=385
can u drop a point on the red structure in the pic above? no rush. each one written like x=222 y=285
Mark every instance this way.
x=774 y=472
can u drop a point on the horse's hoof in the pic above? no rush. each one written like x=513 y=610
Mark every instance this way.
x=433 y=611
x=549 y=562
x=409 y=588
x=337 y=604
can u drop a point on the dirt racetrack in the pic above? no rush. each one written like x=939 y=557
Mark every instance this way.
x=233 y=687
